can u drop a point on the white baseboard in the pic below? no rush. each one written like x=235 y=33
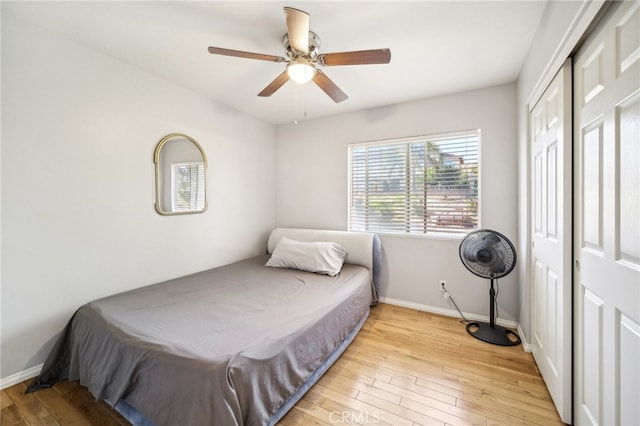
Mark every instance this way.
x=525 y=345
x=20 y=376
x=452 y=313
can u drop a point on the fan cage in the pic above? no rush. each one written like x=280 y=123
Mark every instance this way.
x=479 y=269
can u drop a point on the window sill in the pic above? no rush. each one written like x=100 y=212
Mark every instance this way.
x=432 y=236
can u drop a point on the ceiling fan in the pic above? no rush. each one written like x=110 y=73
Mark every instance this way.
x=303 y=58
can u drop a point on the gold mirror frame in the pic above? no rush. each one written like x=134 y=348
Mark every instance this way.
x=172 y=197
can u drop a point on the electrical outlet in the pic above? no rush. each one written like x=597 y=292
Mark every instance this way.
x=442 y=284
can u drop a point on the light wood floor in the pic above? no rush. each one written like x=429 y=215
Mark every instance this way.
x=405 y=367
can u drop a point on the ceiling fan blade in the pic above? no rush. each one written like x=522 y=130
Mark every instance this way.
x=358 y=57
x=329 y=87
x=275 y=85
x=298 y=29
x=243 y=54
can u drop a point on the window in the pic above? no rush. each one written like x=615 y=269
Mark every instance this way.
x=187 y=186
x=418 y=186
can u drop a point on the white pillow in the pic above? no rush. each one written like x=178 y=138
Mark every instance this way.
x=320 y=257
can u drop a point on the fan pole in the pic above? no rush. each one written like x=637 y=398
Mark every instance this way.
x=492 y=306
x=492 y=333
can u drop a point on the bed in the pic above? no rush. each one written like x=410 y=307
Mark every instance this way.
x=235 y=345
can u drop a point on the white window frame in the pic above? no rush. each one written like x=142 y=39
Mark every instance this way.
x=409 y=140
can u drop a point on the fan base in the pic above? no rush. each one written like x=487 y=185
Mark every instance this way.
x=493 y=334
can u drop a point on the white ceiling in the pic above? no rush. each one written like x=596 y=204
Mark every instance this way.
x=437 y=47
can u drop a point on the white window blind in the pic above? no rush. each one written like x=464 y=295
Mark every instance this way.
x=426 y=185
x=187 y=186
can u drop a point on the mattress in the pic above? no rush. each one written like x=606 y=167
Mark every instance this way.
x=227 y=346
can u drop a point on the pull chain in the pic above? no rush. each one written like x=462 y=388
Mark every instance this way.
x=299 y=102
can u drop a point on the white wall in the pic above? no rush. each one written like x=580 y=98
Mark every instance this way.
x=560 y=28
x=78 y=219
x=311 y=165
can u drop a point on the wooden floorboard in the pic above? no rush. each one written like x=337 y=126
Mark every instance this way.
x=405 y=367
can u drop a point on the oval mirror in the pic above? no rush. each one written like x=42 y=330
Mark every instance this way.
x=181 y=168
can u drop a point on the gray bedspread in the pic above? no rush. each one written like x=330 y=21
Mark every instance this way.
x=226 y=346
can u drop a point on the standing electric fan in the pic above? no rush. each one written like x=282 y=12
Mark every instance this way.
x=489 y=254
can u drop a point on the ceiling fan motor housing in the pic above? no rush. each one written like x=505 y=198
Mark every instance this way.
x=314 y=46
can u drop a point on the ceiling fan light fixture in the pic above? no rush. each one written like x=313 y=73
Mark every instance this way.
x=300 y=71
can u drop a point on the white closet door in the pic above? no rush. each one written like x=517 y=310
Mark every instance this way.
x=607 y=221
x=550 y=157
